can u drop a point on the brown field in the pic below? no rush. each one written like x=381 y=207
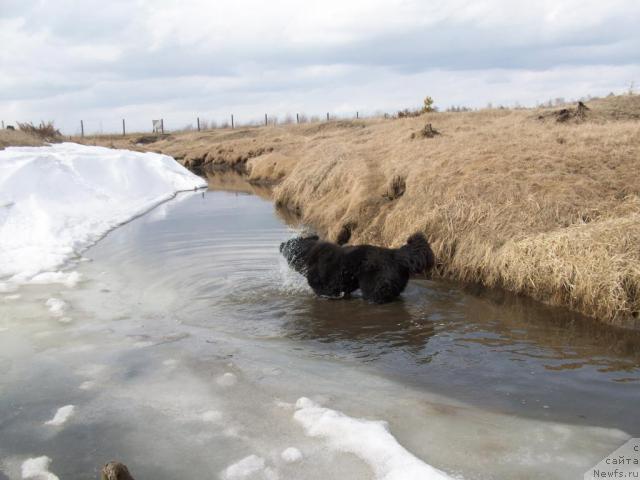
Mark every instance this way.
x=546 y=209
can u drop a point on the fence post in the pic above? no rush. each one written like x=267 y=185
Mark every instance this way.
x=198 y=119
x=327 y=116
x=81 y=128
x=265 y=120
x=232 y=121
x=124 y=132
x=162 y=125
x=297 y=118
x=357 y=115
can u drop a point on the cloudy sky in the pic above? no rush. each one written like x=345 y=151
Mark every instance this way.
x=102 y=61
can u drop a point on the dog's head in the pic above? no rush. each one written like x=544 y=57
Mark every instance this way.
x=296 y=250
x=418 y=255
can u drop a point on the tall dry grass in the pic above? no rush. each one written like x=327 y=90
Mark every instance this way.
x=18 y=138
x=546 y=209
x=45 y=130
x=29 y=135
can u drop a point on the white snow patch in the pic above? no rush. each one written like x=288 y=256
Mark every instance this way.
x=55 y=201
x=227 y=380
x=62 y=415
x=367 y=439
x=291 y=455
x=56 y=306
x=14 y=296
x=247 y=467
x=37 y=469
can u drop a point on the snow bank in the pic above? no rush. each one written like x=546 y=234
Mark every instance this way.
x=56 y=201
x=369 y=440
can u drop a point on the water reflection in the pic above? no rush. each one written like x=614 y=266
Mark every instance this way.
x=229 y=181
x=369 y=330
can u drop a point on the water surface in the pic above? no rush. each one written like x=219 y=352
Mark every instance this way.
x=189 y=340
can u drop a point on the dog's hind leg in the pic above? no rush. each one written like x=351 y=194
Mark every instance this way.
x=382 y=288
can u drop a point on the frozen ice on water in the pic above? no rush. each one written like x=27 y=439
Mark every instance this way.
x=285 y=405
x=60 y=199
x=227 y=380
x=62 y=415
x=368 y=439
x=211 y=416
x=56 y=306
x=170 y=362
x=68 y=279
x=244 y=468
x=92 y=370
x=291 y=455
x=37 y=469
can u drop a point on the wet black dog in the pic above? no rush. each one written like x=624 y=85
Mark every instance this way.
x=380 y=273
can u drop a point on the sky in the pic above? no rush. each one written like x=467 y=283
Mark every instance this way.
x=102 y=61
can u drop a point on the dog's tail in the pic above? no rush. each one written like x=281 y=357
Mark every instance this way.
x=416 y=254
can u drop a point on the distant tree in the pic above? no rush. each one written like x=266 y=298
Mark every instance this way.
x=428 y=105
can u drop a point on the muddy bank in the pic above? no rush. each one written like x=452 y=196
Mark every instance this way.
x=509 y=198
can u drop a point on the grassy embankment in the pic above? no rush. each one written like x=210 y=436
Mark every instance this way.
x=508 y=199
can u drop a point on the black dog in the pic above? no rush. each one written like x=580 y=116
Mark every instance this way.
x=335 y=271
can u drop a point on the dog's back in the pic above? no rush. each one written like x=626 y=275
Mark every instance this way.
x=381 y=273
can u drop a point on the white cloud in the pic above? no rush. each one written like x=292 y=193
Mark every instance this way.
x=178 y=59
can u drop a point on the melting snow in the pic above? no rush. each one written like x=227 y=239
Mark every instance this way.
x=55 y=201
x=62 y=415
x=37 y=469
x=367 y=439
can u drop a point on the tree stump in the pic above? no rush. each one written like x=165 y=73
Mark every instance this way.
x=566 y=114
x=581 y=111
x=427 y=132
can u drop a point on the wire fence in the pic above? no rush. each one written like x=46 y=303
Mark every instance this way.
x=202 y=124
x=113 y=127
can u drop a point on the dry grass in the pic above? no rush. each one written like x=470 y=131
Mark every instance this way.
x=547 y=209
x=29 y=135
x=18 y=138
x=45 y=130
